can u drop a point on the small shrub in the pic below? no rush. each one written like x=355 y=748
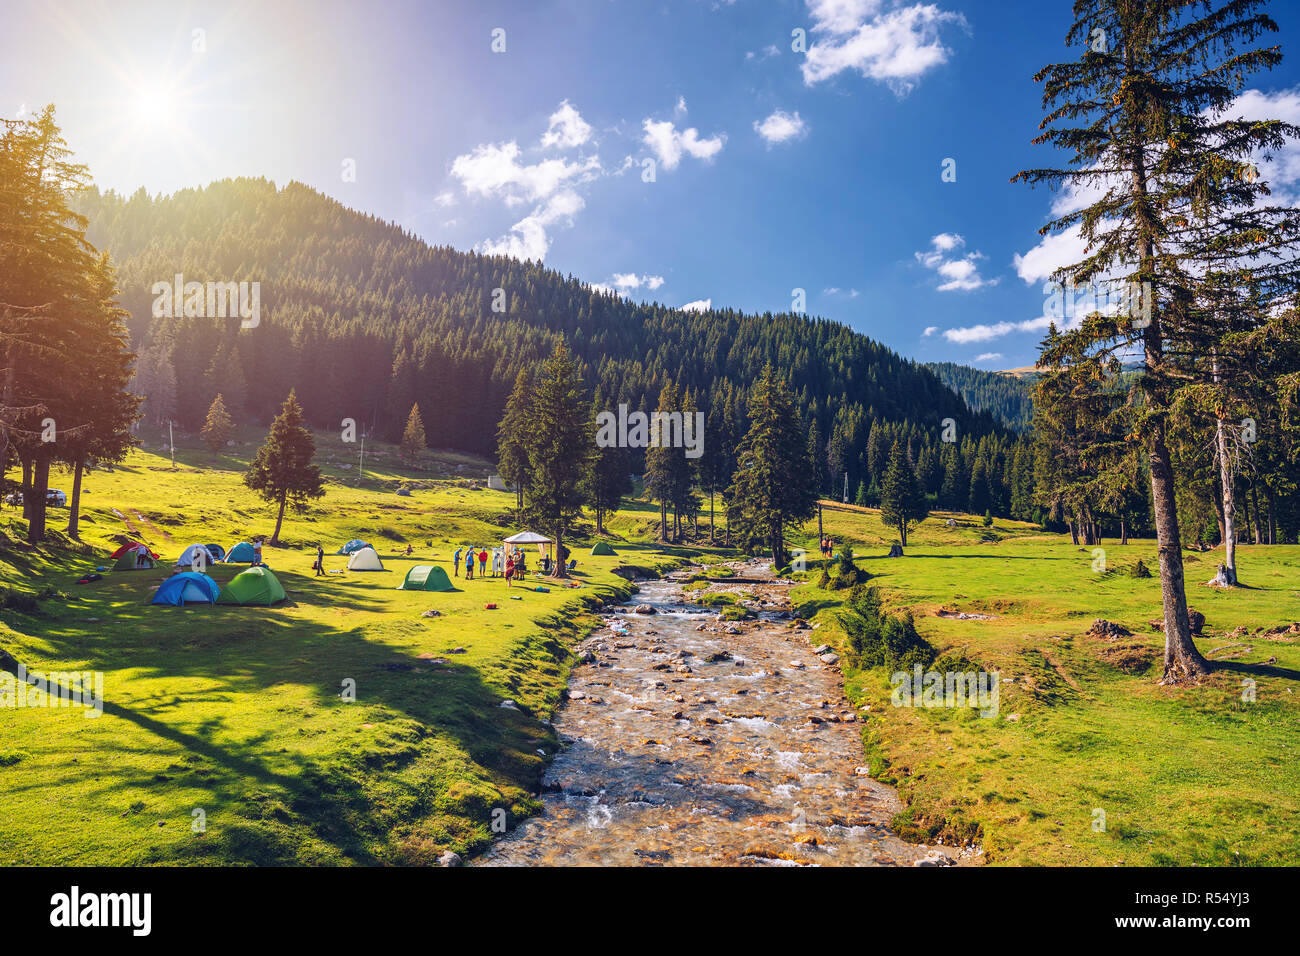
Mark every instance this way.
x=988 y=519
x=876 y=639
x=1140 y=570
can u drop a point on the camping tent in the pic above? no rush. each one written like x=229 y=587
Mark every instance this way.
x=367 y=559
x=217 y=551
x=601 y=547
x=254 y=586
x=138 y=560
x=426 y=577
x=356 y=544
x=187 y=587
x=132 y=546
x=241 y=553
x=187 y=556
x=528 y=537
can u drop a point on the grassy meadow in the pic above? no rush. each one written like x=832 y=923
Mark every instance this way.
x=237 y=712
x=1185 y=776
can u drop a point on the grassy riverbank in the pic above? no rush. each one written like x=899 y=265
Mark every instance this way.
x=1084 y=737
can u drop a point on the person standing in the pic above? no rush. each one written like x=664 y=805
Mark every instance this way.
x=320 y=560
x=510 y=569
x=257 y=552
x=469 y=564
x=482 y=562
x=455 y=563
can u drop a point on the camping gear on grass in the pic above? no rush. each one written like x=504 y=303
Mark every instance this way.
x=356 y=544
x=600 y=547
x=489 y=607
x=365 y=559
x=426 y=577
x=187 y=587
x=241 y=553
x=136 y=560
x=186 y=560
x=88 y=578
x=254 y=586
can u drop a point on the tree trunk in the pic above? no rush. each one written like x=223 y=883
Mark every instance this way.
x=1123 y=532
x=74 y=503
x=1254 y=505
x=558 y=568
x=27 y=484
x=279 y=519
x=35 y=500
x=663 y=521
x=710 y=517
x=1227 y=489
x=1182 y=659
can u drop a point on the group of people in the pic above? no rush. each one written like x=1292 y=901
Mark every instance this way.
x=509 y=564
x=828 y=547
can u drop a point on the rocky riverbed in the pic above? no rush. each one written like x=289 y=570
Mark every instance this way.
x=692 y=740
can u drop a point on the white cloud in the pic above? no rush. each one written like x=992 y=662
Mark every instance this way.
x=680 y=108
x=568 y=129
x=836 y=290
x=965 y=335
x=528 y=238
x=929 y=331
x=767 y=52
x=669 y=144
x=630 y=281
x=1054 y=251
x=445 y=198
x=959 y=272
x=988 y=356
x=699 y=305
x=895 y=46
x=496 y=170
x=781 y=126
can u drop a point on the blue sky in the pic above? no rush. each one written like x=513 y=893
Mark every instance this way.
x=774 y=169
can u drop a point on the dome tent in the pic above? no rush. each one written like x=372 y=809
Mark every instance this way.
x=241 y=553
x=186 y=560
x=133 y=546
x=426 y=577
x=366 y=559
x=600 y=547
x=138 y=559
x=187 y=587
x=217 y=551
x=254 y=586
x=356 y=544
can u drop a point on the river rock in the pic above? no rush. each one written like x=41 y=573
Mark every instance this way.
x=823 y=649
x=831 y=658
x=449 y=859
x=643 y=609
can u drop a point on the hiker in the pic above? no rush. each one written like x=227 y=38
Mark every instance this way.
x=257 y=552
x=469 y=565
x=510 y=569
x=455 y=563
x=320 y=560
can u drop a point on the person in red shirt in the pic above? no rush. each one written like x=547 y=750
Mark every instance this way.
x=482 y=562
x=510 y=569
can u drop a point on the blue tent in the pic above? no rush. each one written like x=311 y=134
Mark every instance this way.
x=187 y=587
x=241 y=553
x=355 y=544
x=217 y=551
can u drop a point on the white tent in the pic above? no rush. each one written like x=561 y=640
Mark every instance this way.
x=186 y=560
x=367 y=559
x=528 y=537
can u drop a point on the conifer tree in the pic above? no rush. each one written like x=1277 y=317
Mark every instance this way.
x=413 y=441
x=512 y=436
x=902 y=499
x=283 y=472
x=217 y=427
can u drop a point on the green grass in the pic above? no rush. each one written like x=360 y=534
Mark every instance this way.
x=1183 y=775
x=238 y=713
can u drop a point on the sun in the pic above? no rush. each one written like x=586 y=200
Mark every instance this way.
x=154 y=105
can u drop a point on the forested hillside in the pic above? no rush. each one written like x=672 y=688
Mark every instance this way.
x=364 y=320
x=1008 y=397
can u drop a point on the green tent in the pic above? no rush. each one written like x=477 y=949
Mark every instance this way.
x=602 y=548
x=134 y=561
x=426 y=577
x=255 y=586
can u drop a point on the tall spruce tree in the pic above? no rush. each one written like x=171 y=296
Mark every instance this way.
x=773 y=489
x=560 y=441
x=413 y=440
x=902 y=499
x=218 y=426
x=1140 y=115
